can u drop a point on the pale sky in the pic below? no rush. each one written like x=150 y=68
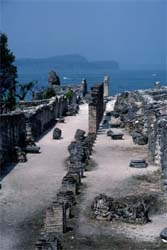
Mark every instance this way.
x=129 y=31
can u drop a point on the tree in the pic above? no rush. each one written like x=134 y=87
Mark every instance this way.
x=48 y=93
x=8 y=75
x=69 y=95
x=23 y=89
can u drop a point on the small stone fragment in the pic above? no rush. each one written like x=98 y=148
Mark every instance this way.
x=57 y=133
x=117 y=136
x=163 y=235
x=138 y=164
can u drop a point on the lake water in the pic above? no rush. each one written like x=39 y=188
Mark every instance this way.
x=120 y=80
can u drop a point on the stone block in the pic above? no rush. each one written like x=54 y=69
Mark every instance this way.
x=138 y=164
x=69 y=184
x=57 y=133
x=163 y=235
x=117 y=136
x=55 y=221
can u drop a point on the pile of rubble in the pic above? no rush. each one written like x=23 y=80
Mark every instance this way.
x=143 y=113
x=131 y=209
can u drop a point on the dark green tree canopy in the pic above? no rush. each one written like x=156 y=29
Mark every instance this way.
x=8 y=74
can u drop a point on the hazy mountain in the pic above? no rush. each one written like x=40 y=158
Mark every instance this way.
x=72 y=61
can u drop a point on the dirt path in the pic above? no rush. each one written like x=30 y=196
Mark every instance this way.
x=114 y=177
x=31 y=187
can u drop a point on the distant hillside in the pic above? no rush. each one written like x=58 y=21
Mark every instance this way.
x=74 y=58
x=69 y=61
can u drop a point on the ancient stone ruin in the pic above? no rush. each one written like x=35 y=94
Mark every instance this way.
x=132 y=209
x=48 y=242
x=96 y=107
x=53 y=79
x=143 y=113
x=22 y=127
x=57 y=216
x=57 y=133
x=55 y=221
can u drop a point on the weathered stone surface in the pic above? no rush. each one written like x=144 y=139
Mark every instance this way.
x=56 y=220
x=12 y=133
x=66 y=197
x=109 y=132
x=31 y=146
x=77 y=153
x=140 y=139
x=96 y=107
x=61 y=120
x=57 y=133
x=163 y=234
x=144 y=114
x=42 y=117
x=20 y=154
x=32 y=149
x=84 y=87
x=79 y=135
x=69 y=183
x=130 y=209
x=117 y=136
x=73 y=109
x=53 y=78
x=106 y=86
x=138 y=164
x=48 y=242
x=115 y=122
x=101 y=207
x=74 y=174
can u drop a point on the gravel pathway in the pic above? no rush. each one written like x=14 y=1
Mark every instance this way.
x=31 y=187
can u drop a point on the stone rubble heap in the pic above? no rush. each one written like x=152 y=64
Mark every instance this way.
x=144 y=114
x=130 y=209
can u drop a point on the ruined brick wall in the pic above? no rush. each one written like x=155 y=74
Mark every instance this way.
x=162 y=135
x=42 y=117
x=96 y=107
x=32 y=122
x=145 y=111
x=12 y=133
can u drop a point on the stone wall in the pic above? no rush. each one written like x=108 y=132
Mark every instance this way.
x=12 y=133
x=145 y=112
x=96 y=107
x=30 y=122
x=42 y=117
x=79 y=90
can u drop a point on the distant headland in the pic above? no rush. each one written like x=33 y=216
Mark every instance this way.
x=71 y=60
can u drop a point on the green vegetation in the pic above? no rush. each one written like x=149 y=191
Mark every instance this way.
x=69 y=95
x=8 y=75
x=48 y=93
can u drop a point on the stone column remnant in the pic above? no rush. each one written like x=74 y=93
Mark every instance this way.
x=96 y=107
x=56 y=218
x=106 y=86
x=84 y=87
